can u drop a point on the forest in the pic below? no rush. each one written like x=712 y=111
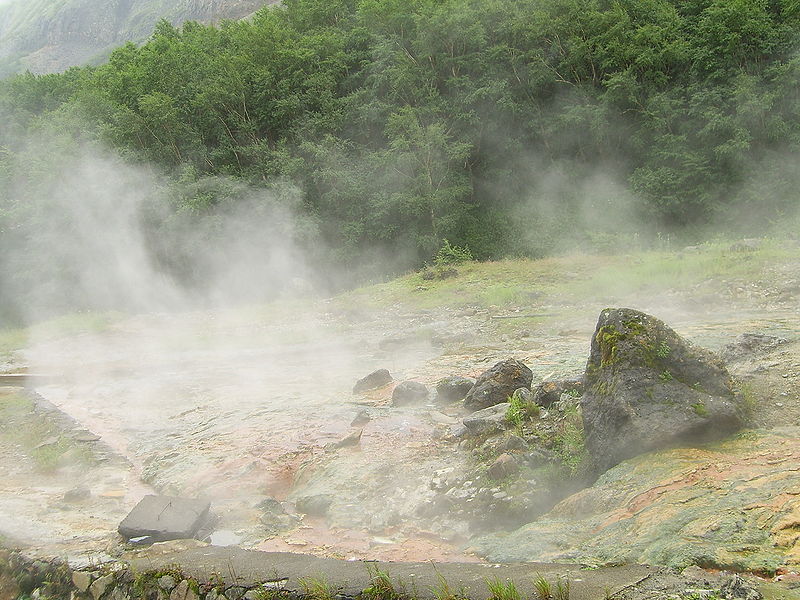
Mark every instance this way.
x=388 y=128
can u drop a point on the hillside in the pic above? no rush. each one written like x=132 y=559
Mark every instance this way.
x=46 y=36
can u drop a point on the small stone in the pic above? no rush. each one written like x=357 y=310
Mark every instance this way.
x=183 y=591
x=374 y=380
x=737 y=588
x=82 y=580
x=100 y=585
x=77 y=494
x=118 y=594
x=361 y=418
x=409 y=392
x=167 y=583
x=451 y=389
x=488 y=420
x=504 y=466
x=235 y=592
x=351 y=439
x=253 y=595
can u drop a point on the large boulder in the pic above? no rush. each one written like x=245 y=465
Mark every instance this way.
x=496 y=385
x=647 y=388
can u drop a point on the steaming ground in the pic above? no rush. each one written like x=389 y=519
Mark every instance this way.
x=240 y=406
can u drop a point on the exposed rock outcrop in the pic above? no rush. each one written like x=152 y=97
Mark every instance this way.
x=647 y=388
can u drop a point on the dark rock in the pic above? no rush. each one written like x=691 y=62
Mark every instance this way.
x=316 y=506
x=165 y=518
x=488 y=420
x=505 y=466
x=374 y=380
x=549 y=392
x=409 y=392
x=82 y=580
x=647 y=388
x=452 y=389
x=497 y=384
x=748 y=344
x=274 y=517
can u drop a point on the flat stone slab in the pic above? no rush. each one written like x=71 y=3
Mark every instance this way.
x=349 y=578
x=163 y=518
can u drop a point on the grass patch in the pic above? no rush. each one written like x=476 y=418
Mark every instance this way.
x=576 y=278
x=381 y=586
x=442 y=590
x=316 y=588
x=12 y=340
x=502 y=591
x=37 y=435
x=520 y=410
x=570 y=442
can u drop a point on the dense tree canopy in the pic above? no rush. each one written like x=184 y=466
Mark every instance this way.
x=509 y=126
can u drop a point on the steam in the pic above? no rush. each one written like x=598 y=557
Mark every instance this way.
x=98 y=233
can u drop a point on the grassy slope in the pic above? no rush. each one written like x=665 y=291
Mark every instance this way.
x=551 y=286
x=574 y=279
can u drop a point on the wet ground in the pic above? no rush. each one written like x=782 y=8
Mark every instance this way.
x=238 y=408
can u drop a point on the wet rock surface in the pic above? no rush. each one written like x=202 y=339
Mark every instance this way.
x=647 y=388
x=726 y=505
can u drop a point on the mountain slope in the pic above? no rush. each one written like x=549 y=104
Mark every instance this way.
x=51 y=35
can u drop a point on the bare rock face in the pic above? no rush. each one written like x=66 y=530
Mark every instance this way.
x=646 y=388
x=496 y=385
